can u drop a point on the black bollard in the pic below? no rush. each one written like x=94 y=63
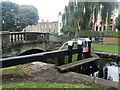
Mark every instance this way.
x=80 y=50
x=89 y=48
x=70 y=47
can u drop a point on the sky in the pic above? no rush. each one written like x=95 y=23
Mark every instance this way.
x=47 y=9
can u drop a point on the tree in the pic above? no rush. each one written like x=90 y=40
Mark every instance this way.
x=15 y=17
x=118 y=23
x=9 y=11
x=107 y=11
x=28 y=15
x=79 y=16
x=83 y=15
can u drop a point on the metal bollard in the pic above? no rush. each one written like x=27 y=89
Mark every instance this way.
x=80 y=50
x=70 y=47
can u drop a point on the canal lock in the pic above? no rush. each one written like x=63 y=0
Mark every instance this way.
x=102 y=68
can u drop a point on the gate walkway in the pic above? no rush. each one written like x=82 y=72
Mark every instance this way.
x=77 y=63
x=80 y=62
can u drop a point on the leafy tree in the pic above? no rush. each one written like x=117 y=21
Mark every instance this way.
x=118 y=22
x=15 y=17
x=79 y=16
x=9 y=10
x=28 y=15
x=83 y=15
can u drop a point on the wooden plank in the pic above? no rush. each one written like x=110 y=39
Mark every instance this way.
x=93 y=54
x=77 y=63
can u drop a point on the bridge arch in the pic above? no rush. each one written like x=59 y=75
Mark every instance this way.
x=31 y=51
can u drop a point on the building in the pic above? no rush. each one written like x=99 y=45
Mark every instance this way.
x=104 y=27
x=46 y=26
x=60 y=24
x=43 y=27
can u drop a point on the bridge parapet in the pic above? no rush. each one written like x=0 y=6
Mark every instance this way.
x=18 y=42
x=12 y=37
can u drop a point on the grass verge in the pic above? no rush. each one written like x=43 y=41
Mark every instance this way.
x=13 y=67
x=106 y=48
x=43 y=85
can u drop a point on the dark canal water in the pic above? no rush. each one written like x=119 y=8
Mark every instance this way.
x=106 y=69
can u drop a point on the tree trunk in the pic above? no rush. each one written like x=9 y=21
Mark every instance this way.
x=106 y=21
x=78 y=25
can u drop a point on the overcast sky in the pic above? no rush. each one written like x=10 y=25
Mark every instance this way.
x=48 y=9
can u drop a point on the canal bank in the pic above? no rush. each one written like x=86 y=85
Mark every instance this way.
x=108 y=55
x=27 y=74
x=52 y=76
x=46 y=73
x=104 y=72
x=90 y=79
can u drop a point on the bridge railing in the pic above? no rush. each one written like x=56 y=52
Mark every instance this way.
x=34 y=36
x=12 y=37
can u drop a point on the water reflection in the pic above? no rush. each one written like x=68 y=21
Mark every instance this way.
x=109 y=70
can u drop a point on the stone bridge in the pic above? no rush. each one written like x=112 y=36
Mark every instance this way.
x=18 y=43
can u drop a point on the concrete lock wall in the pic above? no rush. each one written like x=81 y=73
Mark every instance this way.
x=111 y=40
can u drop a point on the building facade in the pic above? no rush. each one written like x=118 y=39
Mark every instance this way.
x=43 y=27
x=104 y=27
x=60 y=24
x=46 y=26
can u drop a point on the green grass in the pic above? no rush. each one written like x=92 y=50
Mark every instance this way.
x=106 y=48
x=13 y=67
x=101 y=47
x=43 y=85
